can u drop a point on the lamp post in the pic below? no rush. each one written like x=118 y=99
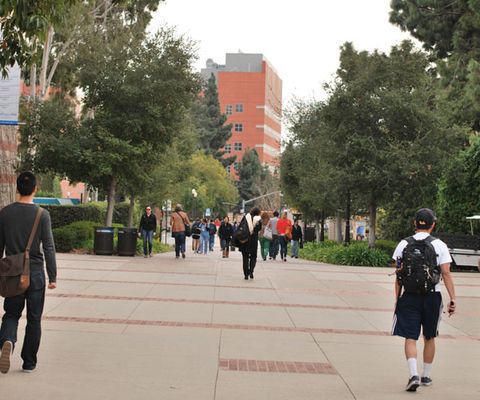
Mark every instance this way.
x=244 y=202
x=194 y=203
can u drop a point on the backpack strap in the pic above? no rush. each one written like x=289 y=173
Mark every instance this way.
x=36 y=222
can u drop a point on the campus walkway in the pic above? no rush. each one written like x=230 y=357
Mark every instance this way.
x=160 y=328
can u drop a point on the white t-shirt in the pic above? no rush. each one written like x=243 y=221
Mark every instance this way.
x=443 y=255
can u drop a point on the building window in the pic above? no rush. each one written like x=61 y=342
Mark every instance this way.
x=238 y=127
x=229 y=109
x=239 y=107
x=228 y=148
x=235 y=166
x=237 y=146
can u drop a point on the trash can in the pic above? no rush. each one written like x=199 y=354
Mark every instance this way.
x=103 y=241
x=309 y=234
x=127 y=241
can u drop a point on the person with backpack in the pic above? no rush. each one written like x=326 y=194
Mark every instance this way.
x=196 y=236
x=421 y=262
x=180 y=225
x=147 y=228
x=225 y=232
x=204 y=236
x=212 y=230
x=246 y=239
x=16 y=222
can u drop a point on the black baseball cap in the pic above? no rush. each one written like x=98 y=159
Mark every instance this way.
x=424 y=218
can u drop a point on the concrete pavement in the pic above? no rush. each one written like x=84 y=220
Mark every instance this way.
x=135 y=328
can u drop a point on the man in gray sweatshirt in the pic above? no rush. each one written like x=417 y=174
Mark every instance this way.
x=16 y=221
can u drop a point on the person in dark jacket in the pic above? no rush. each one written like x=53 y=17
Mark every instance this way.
x=249 y=249
x=147 y=228
x=16 y=221
x=297 y=238
x=225 y=232
x=212 y=230
x=196 y=235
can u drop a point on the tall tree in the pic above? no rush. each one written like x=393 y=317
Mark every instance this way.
x=213 y=133
x=249 y=172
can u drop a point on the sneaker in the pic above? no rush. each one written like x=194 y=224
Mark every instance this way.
x=426 y=381
x=285 y=259
x=246 y=277
x=150 y=255
x=28 y=370
x=413 y=384
x=251 y=276
x=5 y=357
x=183 y=255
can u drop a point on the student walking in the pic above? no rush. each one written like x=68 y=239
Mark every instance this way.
x=297 y=238
x=273 y=249
x=196 y=236
x=147 y=228
x=225 y=232
x=212 y=230
x=264 y=241
x=422 y=261
x=249 y=248
x=204 y=236
x=16 y=221
x=178 y=221
x=284 y=229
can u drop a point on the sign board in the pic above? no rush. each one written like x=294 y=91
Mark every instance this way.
x=10 y=97
x=208 y=212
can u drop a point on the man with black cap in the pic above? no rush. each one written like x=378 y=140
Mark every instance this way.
x=422 y=260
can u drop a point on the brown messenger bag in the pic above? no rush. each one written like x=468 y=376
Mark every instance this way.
x=15 y=269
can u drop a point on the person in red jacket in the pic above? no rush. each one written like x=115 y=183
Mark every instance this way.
x=284 y=229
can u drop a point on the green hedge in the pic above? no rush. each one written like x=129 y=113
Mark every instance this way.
x=79 y=237
x=357 y=253
x=67 y=214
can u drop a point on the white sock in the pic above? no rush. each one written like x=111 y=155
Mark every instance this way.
x=427 y=369
x=412 y=366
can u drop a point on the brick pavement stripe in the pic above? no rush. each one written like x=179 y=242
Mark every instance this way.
x=205 y=325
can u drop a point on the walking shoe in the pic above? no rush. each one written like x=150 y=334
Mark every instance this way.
x=285 y=259
x=251 y=276
x=246 y=277
x=145 y=256
x=28 y=370
x=183 y=255
x=150 y=255
x=426 y=381
x=269 y=258
x=413 y=384
x=5 y=357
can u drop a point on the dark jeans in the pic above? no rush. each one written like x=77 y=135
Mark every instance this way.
x=273 y=247
x=34 y=297
x=249 y=262
x=212 y=242
x=179 y=243
x=283 y=246
x=147 y=239
x=224 y=244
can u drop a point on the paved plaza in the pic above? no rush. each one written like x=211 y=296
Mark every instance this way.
x=160 y=328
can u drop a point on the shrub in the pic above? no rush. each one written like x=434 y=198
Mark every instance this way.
x=67 y=214
x=358 y=254
x=387 y=246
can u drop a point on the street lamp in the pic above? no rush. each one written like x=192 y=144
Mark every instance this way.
x=194 y=203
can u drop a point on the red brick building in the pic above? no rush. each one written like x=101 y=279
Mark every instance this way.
x=250 y=93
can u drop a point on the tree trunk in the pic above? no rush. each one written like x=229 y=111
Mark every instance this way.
x=372 y=225
x=111 y=202
x=33 y=82
x=45 y=58
x=322 y=227
x=131 y=210
x=347 y=220
x=318 y=234
x=338 y=226
x=8 y=156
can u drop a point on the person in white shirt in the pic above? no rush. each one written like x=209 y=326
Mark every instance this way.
x=415 y=310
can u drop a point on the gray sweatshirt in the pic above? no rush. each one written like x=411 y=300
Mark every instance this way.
x=16 y=222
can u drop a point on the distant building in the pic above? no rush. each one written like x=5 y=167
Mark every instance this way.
x=250 y=93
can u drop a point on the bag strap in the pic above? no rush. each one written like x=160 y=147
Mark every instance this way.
x=36 y=222
x=180 y=215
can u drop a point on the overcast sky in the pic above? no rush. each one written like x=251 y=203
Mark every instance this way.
x=301 y=38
